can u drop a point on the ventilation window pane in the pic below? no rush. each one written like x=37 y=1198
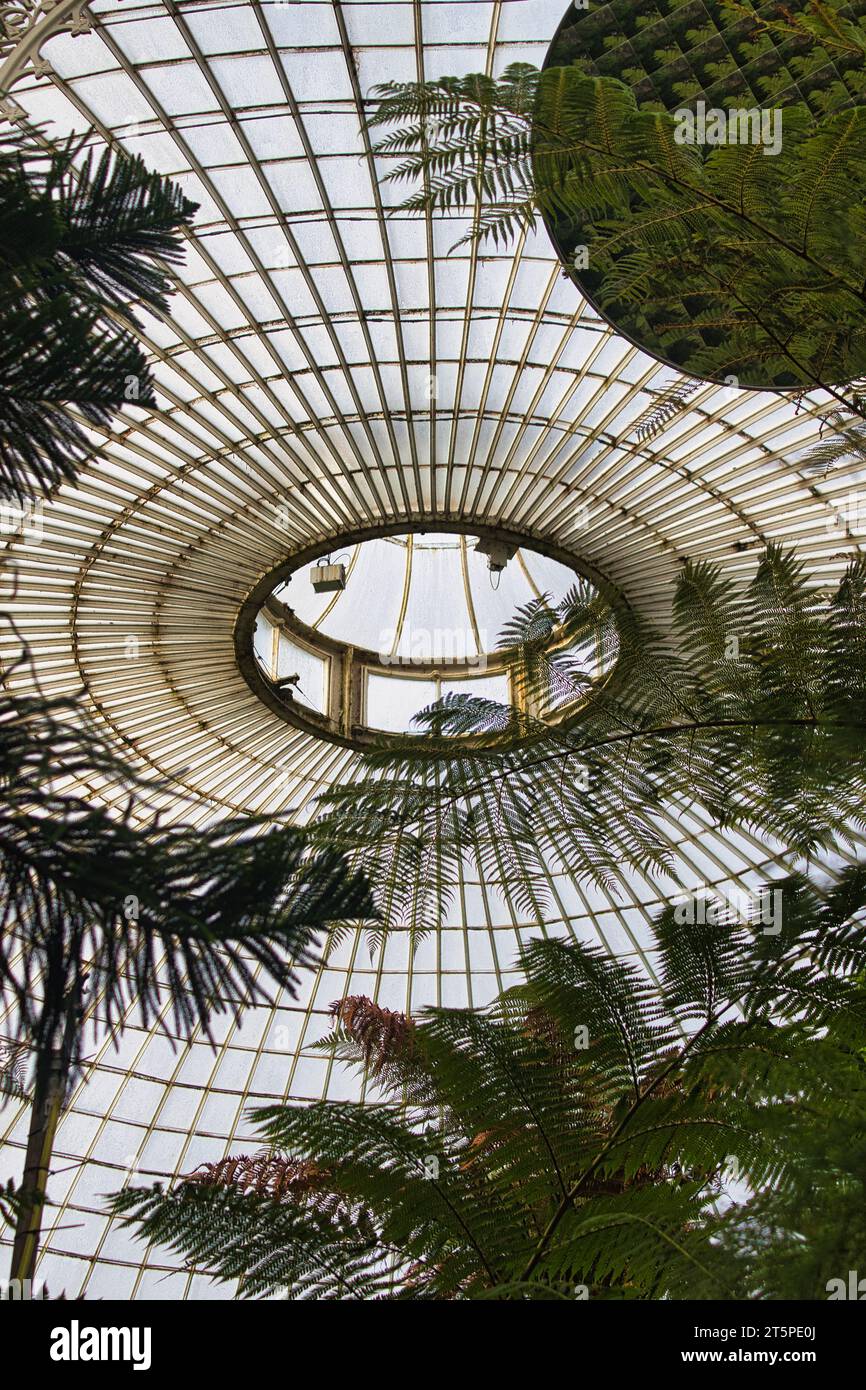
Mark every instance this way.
x=485 y=687
x=392 y=701
x=263 y=643
x=294 y=660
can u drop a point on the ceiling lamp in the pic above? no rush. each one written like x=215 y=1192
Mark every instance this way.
x=328 y=579
x=498 y=553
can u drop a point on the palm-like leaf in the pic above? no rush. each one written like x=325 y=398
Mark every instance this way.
x=82 y=241
x=8 y=1204
x=12 y=1072
x=206 y=913
x=108 y=914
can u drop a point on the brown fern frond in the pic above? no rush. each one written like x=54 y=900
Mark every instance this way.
x=381 y=1033
x=539 y=1023
x=420 y=1279
x=487 y=1141
x=265 y=1174
x=296 y=1180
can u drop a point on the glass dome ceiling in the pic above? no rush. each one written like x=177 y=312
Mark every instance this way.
x=368 y=636
x=406 y=596
x=294 y=372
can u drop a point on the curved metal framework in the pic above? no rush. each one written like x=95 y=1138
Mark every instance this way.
x=323 y=351
x=345 y=720
x=25 y=25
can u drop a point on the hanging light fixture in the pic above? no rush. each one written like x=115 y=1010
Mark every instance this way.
x=328 y=579
x=498 y=554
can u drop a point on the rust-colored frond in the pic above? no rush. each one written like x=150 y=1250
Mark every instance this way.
x=540 y=1024
x=382 y=1034
x=265 y=1174
x=487 y=1141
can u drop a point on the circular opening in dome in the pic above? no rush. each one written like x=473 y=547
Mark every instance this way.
x=353 y=639
x=728 y=72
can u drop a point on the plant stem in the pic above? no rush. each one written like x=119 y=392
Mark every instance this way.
x=44 y=1117
x=657 y=731
x=53 y=1065
x=639 y=1100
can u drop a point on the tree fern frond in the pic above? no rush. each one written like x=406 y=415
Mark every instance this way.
x=380 y=1033
x=723 y=261
x=658 y=415
x=567 y=1140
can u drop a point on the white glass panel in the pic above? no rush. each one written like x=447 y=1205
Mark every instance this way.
x=294 y=660
x=393 y=700
x=366 y=612
x=485 y=687
x=263 y=643
x=437 y=624
x=495 y=596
